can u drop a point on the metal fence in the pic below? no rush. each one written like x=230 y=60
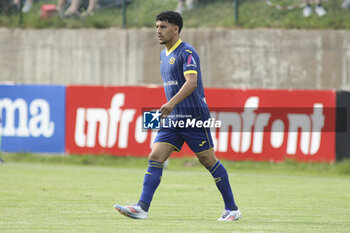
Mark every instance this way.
x=97 y=13
x=19 y=12
x=113 y=13
x=259 y=58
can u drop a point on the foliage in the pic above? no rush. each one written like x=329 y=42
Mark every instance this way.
x=208 y=13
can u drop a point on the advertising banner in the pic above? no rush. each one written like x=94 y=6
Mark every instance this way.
x=274 y=125
x=32 y=118
x=109 y=119
x=262 y=125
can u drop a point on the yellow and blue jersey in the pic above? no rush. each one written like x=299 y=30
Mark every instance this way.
x=180 y=60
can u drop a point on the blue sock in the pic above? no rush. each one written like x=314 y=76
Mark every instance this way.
x=151 y=181
x=219 y=173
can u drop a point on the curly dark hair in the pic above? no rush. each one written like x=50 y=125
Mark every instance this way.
x=172 y=17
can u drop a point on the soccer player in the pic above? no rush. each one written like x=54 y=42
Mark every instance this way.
x=182 y=81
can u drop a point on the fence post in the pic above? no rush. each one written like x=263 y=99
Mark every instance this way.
x=20 y=17
x=236 y=10
x=124 y=13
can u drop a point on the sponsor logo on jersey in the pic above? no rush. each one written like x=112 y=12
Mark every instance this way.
x=170 y=83
x=191 y=61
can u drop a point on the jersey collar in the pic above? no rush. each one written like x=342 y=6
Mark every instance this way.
x=173 y=48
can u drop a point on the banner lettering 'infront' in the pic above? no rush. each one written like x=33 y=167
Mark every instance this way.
x=32 y=118
x=268 y=125
x=109 y=119
x=274 y=124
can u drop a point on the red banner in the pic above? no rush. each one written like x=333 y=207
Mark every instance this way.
x=268 y=125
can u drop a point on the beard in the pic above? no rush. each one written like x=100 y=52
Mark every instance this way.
x=162 y=42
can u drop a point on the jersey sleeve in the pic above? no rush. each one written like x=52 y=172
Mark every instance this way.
x=190 y=61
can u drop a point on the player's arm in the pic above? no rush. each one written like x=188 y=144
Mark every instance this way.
x=187 y=88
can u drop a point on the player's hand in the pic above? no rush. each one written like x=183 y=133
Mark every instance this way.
x=166 y=109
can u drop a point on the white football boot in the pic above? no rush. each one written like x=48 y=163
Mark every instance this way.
x=230 y=215
x=133 y=211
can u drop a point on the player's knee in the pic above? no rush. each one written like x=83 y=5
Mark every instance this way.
x=203 y=162
x=207 y=161
x=156 y=157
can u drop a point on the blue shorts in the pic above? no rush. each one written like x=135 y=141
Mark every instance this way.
x=198 y=139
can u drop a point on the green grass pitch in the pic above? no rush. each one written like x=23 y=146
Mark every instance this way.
x=75 y=198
